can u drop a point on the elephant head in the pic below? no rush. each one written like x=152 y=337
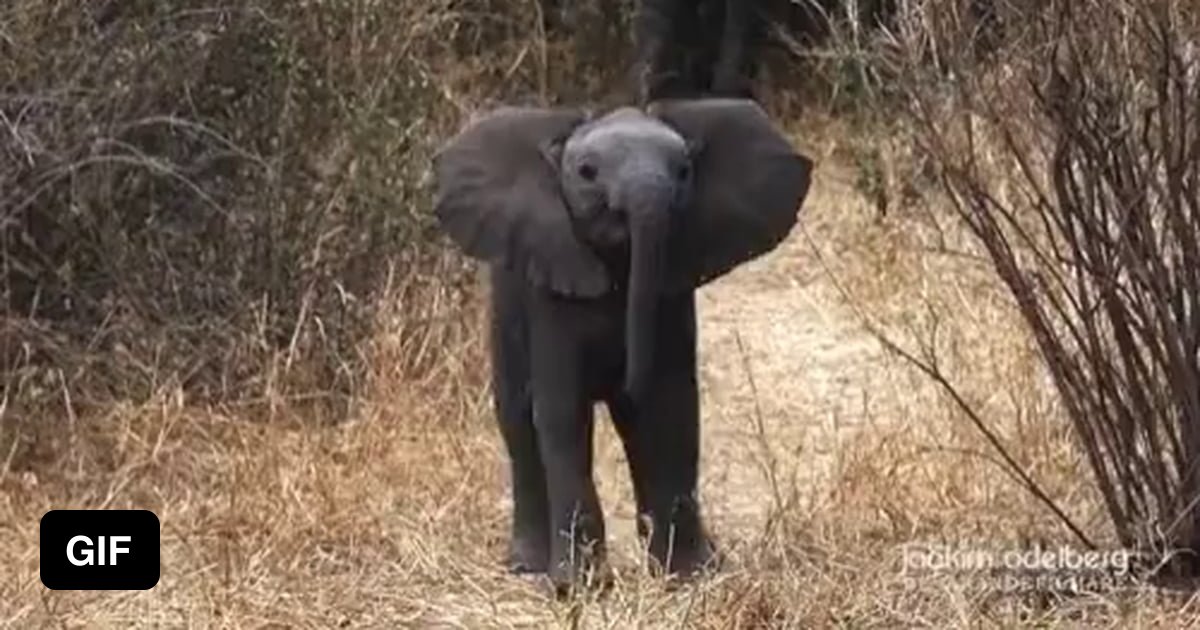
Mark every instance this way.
x=646 y=202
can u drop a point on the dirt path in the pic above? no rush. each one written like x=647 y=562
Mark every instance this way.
x=784 y=371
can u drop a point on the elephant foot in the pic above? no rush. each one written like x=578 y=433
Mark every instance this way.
x=586 y=572
x=578 y=556
x=528 y=554
x=691 y=559
x=680 y=546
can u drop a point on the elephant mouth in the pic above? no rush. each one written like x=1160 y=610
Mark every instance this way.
x=608 y=234
x=614 y=232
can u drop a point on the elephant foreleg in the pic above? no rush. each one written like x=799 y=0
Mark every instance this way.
x=529 y=548
x=562 y=415
x=667 y=427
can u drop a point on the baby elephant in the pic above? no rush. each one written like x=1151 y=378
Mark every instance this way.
x=598 y=231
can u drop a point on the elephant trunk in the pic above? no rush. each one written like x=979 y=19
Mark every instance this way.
x=648 y=232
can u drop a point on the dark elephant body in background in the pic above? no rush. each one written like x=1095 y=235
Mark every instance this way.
x=683 y=48
x=713 y=48
x=693 y=48
x=598 y=231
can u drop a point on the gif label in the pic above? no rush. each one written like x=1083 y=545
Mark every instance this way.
x=100 y=550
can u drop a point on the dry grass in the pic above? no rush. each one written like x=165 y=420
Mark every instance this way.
x=814 y=478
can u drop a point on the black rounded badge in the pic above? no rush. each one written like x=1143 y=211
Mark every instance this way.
x=100 y=550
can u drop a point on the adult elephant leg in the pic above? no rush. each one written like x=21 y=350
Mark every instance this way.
x=552 y=14
x=657 y=26
x=736 y=59
x=668 y=424
x=625 y=420
x=562 y=414
x=529 y=548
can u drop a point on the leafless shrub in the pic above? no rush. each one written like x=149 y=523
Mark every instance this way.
x=184 y=186
x=230 y=197
x=1095 y=105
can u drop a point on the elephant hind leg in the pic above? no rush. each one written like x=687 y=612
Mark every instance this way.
x=740 y=32
x=662 y=65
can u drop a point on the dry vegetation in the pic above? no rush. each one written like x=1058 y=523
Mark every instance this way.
x=1082 y=186
x=224 y=303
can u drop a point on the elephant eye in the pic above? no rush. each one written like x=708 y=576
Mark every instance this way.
x=683 y=172
x=588 y=172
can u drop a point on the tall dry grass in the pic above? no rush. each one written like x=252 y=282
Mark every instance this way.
x=229 y=200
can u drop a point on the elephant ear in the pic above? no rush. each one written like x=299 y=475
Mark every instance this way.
x=749 y=186
x=498 y=197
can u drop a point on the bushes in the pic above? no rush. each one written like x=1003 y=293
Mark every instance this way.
x=208 y=195
x=1072 y=156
